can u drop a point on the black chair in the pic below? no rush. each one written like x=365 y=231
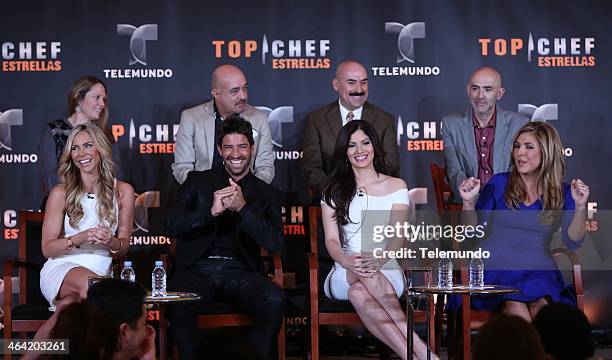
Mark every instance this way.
x=218 y=315
x=31 y=311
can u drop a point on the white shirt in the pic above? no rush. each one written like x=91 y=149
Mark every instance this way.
x=344 y=111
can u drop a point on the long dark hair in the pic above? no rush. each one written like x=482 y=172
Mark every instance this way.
x=340 y=188
x=92 y=333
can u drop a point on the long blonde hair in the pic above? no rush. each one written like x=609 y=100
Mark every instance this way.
x=77 y=92
x=550 y=173
x=70 y=175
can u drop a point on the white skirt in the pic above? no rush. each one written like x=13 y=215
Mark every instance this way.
x=336 y=286
x=55 y=269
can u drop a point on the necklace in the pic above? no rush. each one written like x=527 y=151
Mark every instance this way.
x=531 y=194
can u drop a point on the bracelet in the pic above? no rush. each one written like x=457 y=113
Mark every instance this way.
x=69 y=242
x=110 y=249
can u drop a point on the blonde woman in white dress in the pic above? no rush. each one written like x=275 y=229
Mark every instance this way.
x=88 y=218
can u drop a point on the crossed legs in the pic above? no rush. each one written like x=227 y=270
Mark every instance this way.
x=73 y=288
x=525 y=310
x=375 y=301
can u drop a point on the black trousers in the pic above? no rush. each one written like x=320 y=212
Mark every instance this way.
x=230 y=281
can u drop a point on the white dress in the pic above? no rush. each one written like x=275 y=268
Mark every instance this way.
x=94 y=257
x=363 y=211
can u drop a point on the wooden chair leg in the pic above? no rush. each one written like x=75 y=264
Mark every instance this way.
x=438 y=322
x=163 y=333
x=451 y=333
x=465 y=328
x=8 y=334
x=314 y=338
x=281 y=342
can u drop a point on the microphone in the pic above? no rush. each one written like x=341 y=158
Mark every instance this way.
x=360 y=191
x=90 y=195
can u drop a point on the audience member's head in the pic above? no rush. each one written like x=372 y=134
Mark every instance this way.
x=508 y=337
x=123 y=301
x=109 y=324
x=565 y=332
x=88 y=331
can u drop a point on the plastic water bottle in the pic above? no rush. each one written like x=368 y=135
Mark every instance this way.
x=445 y=273
x=476 y=273
x=128 y=273
x=158 y=279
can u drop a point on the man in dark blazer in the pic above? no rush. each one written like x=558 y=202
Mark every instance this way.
x=324 y=124
x=221 y=217
x=478 y=143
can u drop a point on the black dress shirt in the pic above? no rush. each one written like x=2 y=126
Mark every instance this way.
x=257 y=224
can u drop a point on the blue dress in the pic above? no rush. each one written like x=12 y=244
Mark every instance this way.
x=519 y=245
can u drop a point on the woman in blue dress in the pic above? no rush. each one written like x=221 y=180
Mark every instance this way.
x=521 y=211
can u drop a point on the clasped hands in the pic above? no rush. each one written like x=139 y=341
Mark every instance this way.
x=228 y=198
x=469 y=189
x=362 y=264
x=100 y=234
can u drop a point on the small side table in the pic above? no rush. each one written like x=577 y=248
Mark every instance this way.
x=457 y=290
x=409 y=271
x=171 y=297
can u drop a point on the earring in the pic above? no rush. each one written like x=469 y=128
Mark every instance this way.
x=78 y=108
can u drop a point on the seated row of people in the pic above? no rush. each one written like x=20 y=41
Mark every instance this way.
x=222 y=216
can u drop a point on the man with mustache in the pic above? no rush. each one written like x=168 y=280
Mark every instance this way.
x=324 y=124
x=221 y=217
x=197 y=133
x=478 y=143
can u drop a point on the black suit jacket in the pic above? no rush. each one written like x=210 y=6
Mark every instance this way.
x=191 y=222
x=322 y=128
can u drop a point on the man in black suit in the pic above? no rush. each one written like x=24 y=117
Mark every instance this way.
x=324 y=124
x=221 y=217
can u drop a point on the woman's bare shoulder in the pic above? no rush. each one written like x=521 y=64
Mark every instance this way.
x=394 y=184
x=124 y=189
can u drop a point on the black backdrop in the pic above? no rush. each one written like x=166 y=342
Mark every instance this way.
x=565 y=79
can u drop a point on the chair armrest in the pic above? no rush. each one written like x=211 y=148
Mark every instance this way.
x=8 y=289
x=572 y=257
x=313 y=271
x=117 y=265
x=166 y=260
x=277 y=263
x=278 y=271
x=576 y=273
x=312 y=262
